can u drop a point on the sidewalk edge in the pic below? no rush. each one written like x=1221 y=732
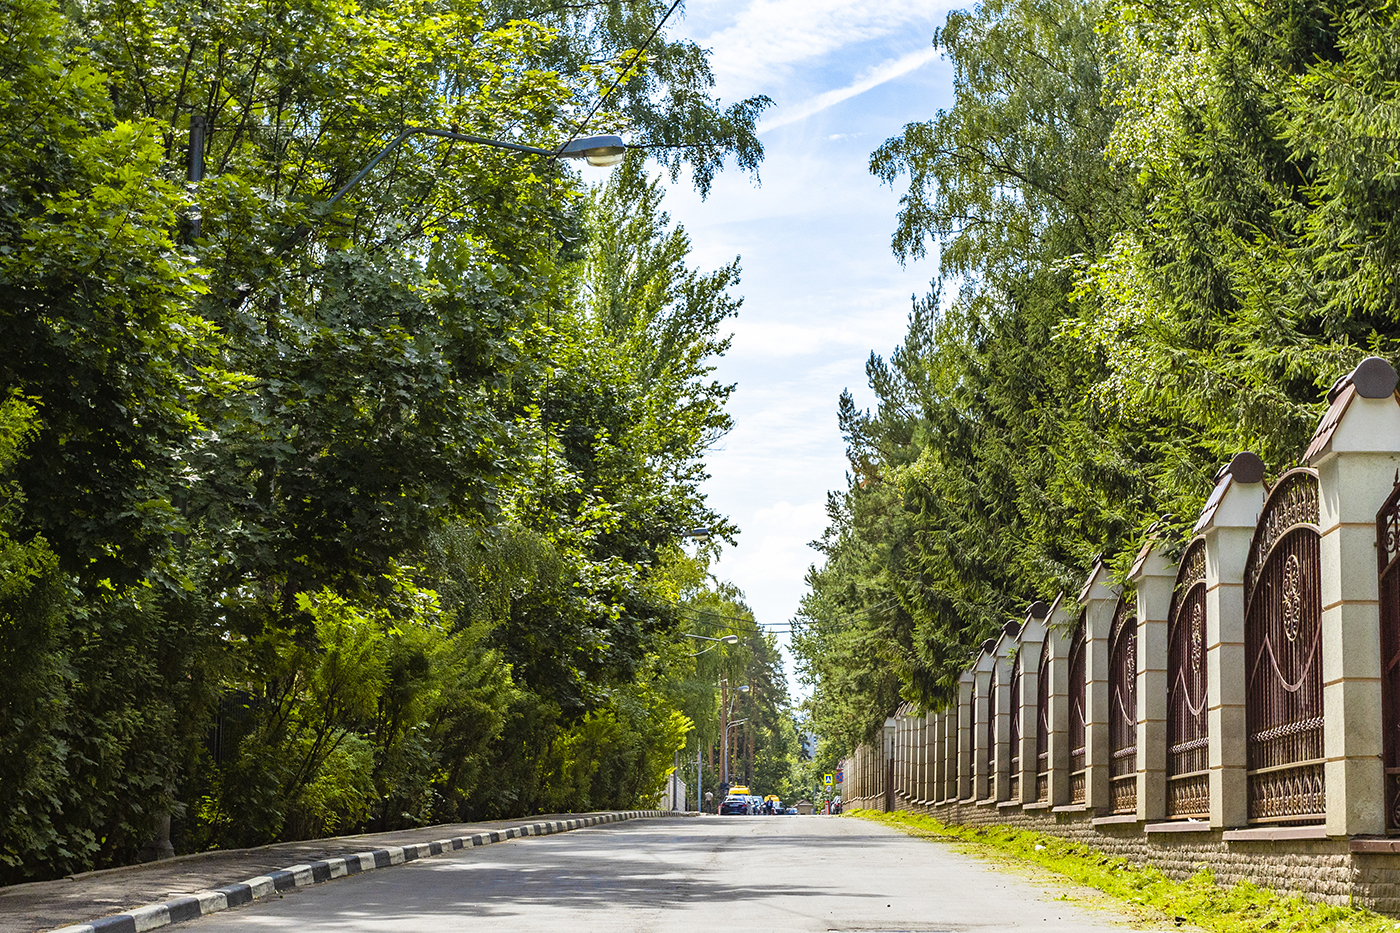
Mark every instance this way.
x=192 y=906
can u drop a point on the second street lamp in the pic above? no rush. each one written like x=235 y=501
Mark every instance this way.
x=725 y=713
x=722 y=640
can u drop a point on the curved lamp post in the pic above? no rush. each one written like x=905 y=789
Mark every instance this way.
x=600 y=151
x=726 y=713
x=722 y=640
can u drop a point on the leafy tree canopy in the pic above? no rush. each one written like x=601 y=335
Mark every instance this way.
x=1167 y=229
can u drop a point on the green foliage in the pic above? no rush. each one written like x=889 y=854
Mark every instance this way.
x=667 y=104
x=1198 y=900
x=321 y=519
x=35 y=704
x=96 y=318
x=1167 y=228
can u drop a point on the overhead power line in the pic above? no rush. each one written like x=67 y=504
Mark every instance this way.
x=621 y=75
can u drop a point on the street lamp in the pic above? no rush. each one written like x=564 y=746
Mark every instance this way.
x=725 y=713
x=600 y=151
x=722 y=640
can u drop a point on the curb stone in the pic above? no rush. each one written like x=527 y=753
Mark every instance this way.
x=192 y=906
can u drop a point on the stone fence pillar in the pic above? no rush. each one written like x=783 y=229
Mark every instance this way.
x=1028 y=655
x=999 y=786
x=967 y=750
x=1059 y=628
x=1227 y=524
x=982 y=672
x=1356 y=452
x=951 y=791
x=938 y=759
x=1153 y=577
x=925 y=758
x=1099 y=601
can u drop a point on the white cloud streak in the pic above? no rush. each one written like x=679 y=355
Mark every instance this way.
x=873 y=78
x=767 y=37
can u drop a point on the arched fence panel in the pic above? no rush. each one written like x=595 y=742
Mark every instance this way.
x=1014 y=753
x=1388 y=549
x=1122 y=706
x=991 y=737
x=1078 y=685
x=1283 y=657
x=1042 y=727
x=1188 y=779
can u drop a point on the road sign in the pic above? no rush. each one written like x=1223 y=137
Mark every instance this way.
x=840 y=777
x=828 y=779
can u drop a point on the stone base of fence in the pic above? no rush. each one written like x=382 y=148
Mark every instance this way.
x=1364 y=872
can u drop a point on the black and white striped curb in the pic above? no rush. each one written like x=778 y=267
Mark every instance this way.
x=191 y=906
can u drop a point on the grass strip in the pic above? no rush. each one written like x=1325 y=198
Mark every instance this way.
x=1197 y=900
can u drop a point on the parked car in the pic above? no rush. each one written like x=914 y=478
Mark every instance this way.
x=735 y=805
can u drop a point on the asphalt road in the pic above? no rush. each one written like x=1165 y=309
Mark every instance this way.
x=703 y=875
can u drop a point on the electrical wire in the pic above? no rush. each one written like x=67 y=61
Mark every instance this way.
x=624 y=73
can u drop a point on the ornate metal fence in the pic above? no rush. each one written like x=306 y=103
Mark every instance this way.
x=1188 y=780
x=1077 y=689
x=1122 y=706
x=1014 y=756
x=1283 y=657
x=1042 y=727
x=1388 y=549
x=992 y=736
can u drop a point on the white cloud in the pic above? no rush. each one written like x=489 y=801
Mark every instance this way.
x=770 y=339
x=874 y=77
x=769 y=36
x=778 y=559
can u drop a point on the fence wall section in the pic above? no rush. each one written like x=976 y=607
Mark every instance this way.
x=1226 y=706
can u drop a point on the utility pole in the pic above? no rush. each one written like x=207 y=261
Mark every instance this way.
x=724 y=734
x=748 y=738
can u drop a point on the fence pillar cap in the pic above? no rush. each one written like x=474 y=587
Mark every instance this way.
x=1373 y=378
x=1098 y=577
x=1369 y=426
x=1238 y=494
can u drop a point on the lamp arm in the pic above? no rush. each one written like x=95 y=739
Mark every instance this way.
x=425 y=131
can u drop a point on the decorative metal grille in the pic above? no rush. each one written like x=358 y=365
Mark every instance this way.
x=1015 y=710
x=1188 y=780
x=1283 y=656
x=1077 y=690
x=1042 y=727
x=1122 y=705
x=992 y=737
x=1388 y=549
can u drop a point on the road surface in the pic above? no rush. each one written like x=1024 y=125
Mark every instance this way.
x=700 y=875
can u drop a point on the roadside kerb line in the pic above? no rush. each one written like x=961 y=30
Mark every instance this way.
x=190 y=906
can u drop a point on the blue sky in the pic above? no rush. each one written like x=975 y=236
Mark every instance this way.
x=821 y=287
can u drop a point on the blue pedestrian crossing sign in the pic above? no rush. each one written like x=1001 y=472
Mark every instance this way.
x=828 y=779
